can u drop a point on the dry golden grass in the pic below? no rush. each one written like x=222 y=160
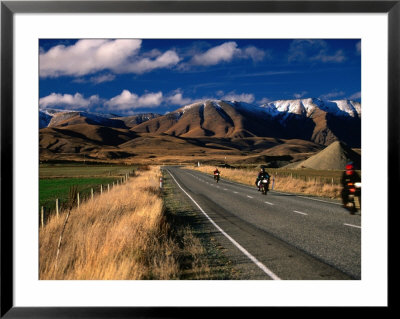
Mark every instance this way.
x=119 y=235
x=282 y=183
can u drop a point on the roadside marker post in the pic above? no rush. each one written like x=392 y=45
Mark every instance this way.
x=42 y=216
x=161 y=181
x=57 y=207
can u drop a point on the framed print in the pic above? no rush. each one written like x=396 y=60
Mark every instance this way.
x=196 y=155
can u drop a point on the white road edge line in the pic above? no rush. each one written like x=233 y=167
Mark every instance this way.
x=296 y=211
x=243 y=250
x=352 y=225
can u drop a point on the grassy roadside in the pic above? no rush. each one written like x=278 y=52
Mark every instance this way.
x=133 y=232
x=120 y=235
x=287 y=183
x=200 y=254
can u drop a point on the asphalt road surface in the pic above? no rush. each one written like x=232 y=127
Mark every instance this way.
x=278 y=235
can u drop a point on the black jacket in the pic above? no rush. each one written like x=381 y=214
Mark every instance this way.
x=352 y=178
x=262 y=175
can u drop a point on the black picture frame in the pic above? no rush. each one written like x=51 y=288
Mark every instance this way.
x=9 y=8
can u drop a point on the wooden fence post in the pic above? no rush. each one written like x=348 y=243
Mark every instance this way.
x=42 y=216
x=91 y=192
x=57 y=207
x=101 y=189
x=77 y=195
x=108 y=188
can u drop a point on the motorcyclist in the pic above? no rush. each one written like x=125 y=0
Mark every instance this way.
x=217 y=174
x=349 y=178
x=261 y=175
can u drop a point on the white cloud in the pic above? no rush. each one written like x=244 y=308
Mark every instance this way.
x=178 y=99
x=355 y=96
x=300 y=95
x=332 y=95
x=165 y=60
x=91 y=56
x=218 y=54
x=86 y=57
x=226 y=52
x=338 y=57
x=243 y=97
x=264 y=100
x=73 y=101
x=127 y=100
x=313 y=50
x=102 y=78
x=254 y=53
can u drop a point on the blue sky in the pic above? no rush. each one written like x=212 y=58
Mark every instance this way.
x=128 y=76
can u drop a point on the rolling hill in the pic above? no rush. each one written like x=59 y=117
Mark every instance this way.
x=280 y=132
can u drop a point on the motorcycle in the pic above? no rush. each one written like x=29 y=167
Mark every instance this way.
x=263 y=184
x=216 y=177
x=354 y=203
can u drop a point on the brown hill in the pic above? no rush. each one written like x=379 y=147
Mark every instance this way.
x=67 y=118
x=334 y=157
x=210 y=130
x=82 y=137
x=212 y=119
x=133 y=120
x=223 y=119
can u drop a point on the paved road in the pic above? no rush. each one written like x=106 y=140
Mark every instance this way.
x=278 y=235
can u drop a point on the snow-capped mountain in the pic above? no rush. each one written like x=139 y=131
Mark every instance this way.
x=56 y=117
x=309 y=119
x=312 y=119
x=306 y=107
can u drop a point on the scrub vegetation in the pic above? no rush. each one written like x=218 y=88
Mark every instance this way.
x=132 y=232
x=309 y=182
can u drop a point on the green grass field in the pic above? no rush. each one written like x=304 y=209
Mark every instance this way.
x=70 y=170
x=55 y=181
x=51 y=189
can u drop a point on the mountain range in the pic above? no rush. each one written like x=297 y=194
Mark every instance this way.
x=285 y=130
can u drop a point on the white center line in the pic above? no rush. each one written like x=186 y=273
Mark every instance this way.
x=296 y=211
x=352 y=225
x=225 y=189
x=268 y=203
x=241 y=248
x=249 y=196
x=235 y=192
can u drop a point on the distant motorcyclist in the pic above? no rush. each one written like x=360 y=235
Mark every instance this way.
x=349 y=179
x=217 y=174
x=262 y=175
